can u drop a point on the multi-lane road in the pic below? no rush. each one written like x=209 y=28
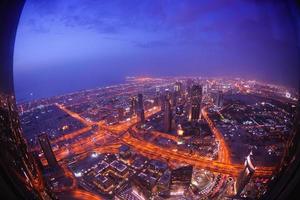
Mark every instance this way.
x=105 y=139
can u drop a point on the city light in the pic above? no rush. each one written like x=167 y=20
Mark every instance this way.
x=129 y=146
x=94 y=155
x=78 y=174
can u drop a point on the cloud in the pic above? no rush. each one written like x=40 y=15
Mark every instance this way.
x=152 y=44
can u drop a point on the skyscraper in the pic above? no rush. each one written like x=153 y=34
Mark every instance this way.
x=180 y=179
x=167 y=115
x=120 y=113
x=219 y=99
x=245 y=175
x=47 y=149
x=196 y=99
x=140 y=110
x=178 y=88
x=133 y=105
x=177 y=94
x=205 y=88
x=189 y=84
x=140 y=101
x=164 y=95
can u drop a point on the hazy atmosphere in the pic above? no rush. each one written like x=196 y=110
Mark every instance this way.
x=64 y=46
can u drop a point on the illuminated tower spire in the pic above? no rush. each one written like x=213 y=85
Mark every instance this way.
x=245 y=175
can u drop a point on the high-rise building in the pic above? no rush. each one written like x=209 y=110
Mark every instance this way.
x=219 y=99
x=120 y=113
x=245 y=175
x=47 y=150
x=174 y=99
x=180 y=180
x=140 y=101
x=162 y=102
x=205 y=88
x=189 y=84
x=163 y=184
x=178 y=87
x=140 y=110
x=163 y=97
x=157 y=97
x=167 y=115
x=133 y=105
x=196 y=99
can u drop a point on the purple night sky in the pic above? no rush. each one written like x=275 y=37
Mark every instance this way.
x=63 y=46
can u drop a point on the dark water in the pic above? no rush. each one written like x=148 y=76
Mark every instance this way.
x=47 y=83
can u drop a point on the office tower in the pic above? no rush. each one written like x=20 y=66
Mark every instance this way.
x=163 y=184
x=174 y=98
x=167 y=115
x=196 y=99
x=180 y=180
x=162 y=102
x=163 y=97
x=140 y=102
x=189 y=84
x=157 y=96
x=245 y=175
x=120 y=113
x=140 y=109
x=178 y=88
x=133 y=105
x=205 y=88
x=47 y=150
x=219 y=99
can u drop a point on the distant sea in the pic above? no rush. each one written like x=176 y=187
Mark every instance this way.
x=35 y=86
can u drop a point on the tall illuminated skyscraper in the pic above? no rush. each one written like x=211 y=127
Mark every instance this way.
x=245 y=175
x=196 y=99
x=167 y=115
x=140 y=110
x=133 y=105
x=121 y=113
x=178 y=88
x=219 y=99
x=47 y=149
x=189 y=84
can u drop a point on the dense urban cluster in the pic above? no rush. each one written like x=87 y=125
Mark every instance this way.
x=162 y=138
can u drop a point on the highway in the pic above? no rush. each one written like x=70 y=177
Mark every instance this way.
x=108 y=138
